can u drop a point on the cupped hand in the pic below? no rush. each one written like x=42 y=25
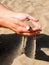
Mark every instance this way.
x=15 y=23
x=22 y=17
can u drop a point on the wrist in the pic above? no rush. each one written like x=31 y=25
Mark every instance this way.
x=4 y=12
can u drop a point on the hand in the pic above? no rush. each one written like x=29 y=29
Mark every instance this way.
x=15 y=23
x=35 y=22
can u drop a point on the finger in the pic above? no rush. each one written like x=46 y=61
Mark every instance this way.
x=23 y=30
x=27 y=34
x=30 y=34
x=18 y=29
x=20 y=23
x=38 y=32
x=32 y=18
x=36 y=29
x=37 y=24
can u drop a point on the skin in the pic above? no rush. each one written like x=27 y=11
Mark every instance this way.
x=13 y=21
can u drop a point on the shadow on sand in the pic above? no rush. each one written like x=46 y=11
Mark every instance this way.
x=42 y=42
x=9 y=46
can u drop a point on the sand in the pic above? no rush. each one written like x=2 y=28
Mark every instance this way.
x=23 y=60
x=10 y=42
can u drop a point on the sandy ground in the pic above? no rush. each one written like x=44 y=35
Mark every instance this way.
x=24 y=60
x=10 y=42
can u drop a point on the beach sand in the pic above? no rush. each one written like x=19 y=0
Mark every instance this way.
x=10 y=42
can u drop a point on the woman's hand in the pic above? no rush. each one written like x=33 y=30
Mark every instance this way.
x=22 y=17
x=13 y=21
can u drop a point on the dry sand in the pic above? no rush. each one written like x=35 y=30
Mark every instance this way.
x=24 y=60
